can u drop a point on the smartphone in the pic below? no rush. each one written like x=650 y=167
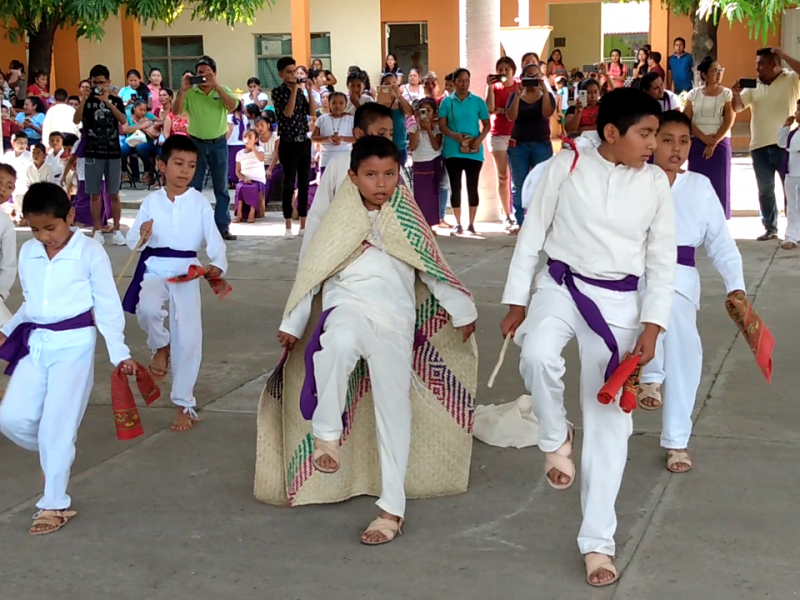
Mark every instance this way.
x=590 y=69
x=134 y=96
x=583 y=96
x=197 y=79
x=385 y=90
x=748 y=84
x=530 y=81
x=497 y=78
x=423 y=114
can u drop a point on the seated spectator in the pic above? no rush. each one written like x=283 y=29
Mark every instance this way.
x=141 y=137
x=653 y=84
x=654 y=65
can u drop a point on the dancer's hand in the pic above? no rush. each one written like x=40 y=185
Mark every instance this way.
x=128 y=366
x=512 y=321
x=286 y=340
x=3 y=339
x=646 y=344
x=213 y=272
x=145 y=231
x=466 y=331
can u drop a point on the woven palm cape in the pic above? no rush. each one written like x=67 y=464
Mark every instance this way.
x=442 y=400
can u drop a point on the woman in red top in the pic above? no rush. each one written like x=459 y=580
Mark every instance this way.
x=584 y=118
x=498 y=91
x=39 y=88
x=617 y=72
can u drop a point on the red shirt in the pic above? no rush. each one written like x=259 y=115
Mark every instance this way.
x=589 y=116
x=660 y=71
x=500 y=124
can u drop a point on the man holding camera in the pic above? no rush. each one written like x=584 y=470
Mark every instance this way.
x=101 y=115
x=293 y=110
x=771 y=99
x=207 y=104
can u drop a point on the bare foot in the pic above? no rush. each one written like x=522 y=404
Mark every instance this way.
x=788 y=245
x=376 y=537
x=183 y=421
x=159 y=364
x=601 y=576
x=649 y=402
x=326 y=463
x=557 y=477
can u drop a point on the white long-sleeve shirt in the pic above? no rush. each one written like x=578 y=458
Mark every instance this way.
x=332 y=179
x=184 y=224
x=793 y=149
x=605 y=221
x=77 y=279
x=59 y=117
x=43 y=174
x=8 y=255
x=700 y=221
x=382 y=287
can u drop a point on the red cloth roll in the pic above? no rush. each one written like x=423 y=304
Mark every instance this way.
x=218 y=285
x=625 y=378
x=126 y=415
x=755 y=333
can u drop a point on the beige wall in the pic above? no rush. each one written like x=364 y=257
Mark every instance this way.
x=108 y=52
x=580 y=25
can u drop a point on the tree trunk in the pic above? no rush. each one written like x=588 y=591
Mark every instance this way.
x=704 y=36
x=40 y=49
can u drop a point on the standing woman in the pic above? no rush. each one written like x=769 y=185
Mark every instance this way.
x=155 y=83
x=530 y=109
x=413 y=90
x=497 y=94
x=464 y=122
x=711 y=111
x=617 y=72
x=640 y=70
x=400 y=110
x=555 y=67
x=391 y=67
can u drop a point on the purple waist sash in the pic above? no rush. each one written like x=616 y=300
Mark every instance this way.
x=563 y=275
x=131 y=299
x=17 y=346
x=686 y=256
x=308 y=394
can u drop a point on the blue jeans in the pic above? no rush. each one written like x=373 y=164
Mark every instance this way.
x=214 y=156
x=766 y=162
x=145 y=151
x=521 y=159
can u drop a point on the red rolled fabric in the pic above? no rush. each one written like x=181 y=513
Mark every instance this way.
x=755 y=333
x=126 y=415
x=625 y=378
x=218 y=285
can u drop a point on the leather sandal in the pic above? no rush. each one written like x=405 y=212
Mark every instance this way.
x=652 y=391
x=595 y=562
x=52 y=519
x=675 y=457
x=388 y=527
x=329 y=449
x=561 y=460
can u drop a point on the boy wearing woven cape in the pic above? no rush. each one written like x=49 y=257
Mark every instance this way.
x=368 y=303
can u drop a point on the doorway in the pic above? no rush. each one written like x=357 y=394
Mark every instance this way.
x=409 y=43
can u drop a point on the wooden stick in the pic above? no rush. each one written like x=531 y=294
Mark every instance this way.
x=501 y=359
x=130 y=260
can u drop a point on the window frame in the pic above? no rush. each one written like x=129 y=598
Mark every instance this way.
x=170 y=79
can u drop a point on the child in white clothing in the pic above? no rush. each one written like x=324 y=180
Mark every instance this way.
x=40 y=170
x=50 y=343
x=8 y=241
x=788 y=140
x=20 y=158
x=334 y=130
x=252 y=180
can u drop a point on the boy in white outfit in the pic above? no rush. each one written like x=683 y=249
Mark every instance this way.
x=604 y=221
x=700 y=221
x=50 y=343
x=171 y=227
x=788 y=140
x=8 y=241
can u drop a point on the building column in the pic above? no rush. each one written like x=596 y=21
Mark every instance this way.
x=301 y=32
x=131 y=44
x=659 y=29
x=66 y=72
x=479 y=24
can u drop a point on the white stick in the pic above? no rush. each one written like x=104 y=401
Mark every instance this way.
x=501 y=359
x=130 y=260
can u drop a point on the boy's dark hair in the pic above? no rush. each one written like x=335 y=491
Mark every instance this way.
x=506 y=60
x=656 y=56
x=70 y=140
x=678 y=39
x=372 y=145
x=677 y=117
x=647 y=80
x=356 y=76
x=39 y=146
x=623 y=108
x=56 y=134
x=100 y=71
x=6 y=168
x=285 y=61
x=20 y=135
x=73 y=98
x=368 y=113
x=578 y=75
x=46 y=199
x=177 y=143
x=61 y=95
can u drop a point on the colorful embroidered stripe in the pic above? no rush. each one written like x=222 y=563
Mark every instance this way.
x=274 y=384
x=441 y=381
x=300 y=467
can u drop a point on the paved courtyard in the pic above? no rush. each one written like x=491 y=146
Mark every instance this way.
x=172 y=516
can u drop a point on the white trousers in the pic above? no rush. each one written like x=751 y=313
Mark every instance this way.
x=553 y=321
x=678 y=365
x=185 y=333
x=792 y=187
x=43 y=409
x=347 y=337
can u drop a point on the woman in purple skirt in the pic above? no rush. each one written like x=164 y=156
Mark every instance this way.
x=709 y=107
x=237 y=125
x=425 y=143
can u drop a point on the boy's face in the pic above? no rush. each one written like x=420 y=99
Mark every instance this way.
x=449 y=86
x=4 y=113
x=636 y=147
x=20 y=145
x=38 y=156
x=7 y=184
x=376 y=179
x=674 y=141
x=73 y=102
x=56 y=143
x=382 y=127
x=679 y=47
x=51 y=231
x=179 y=168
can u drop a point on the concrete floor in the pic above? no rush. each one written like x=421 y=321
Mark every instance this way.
x=172 y=516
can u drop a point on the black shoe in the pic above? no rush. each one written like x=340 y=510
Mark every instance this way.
x=471 y=229
x=459 y=230
x=767 y=235
x=227 y=235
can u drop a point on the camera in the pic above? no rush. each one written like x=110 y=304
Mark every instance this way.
x=301 y=80
x=197 y=80
x=97 y=91
x=530 y=81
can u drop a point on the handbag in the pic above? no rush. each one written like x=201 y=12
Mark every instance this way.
x=464 y=146
x=136 y=138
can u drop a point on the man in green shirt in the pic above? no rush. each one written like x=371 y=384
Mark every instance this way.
x=207 y=105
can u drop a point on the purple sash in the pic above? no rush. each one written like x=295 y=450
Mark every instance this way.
x=784 y=168
x=17 y=347
x=131 y=299
x=588 y=309
x=686 y=256
x=308 y=394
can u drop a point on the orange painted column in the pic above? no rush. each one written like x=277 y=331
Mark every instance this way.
x=66 y=72
x=11 y=51
x=659 y=29
x=132 y=44
x=301 y=32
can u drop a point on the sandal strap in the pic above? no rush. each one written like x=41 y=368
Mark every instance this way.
x=388 y=527
x=323 y=447
x=596 y=561
x=52 y=517
x=678 y=456
x=650 y=390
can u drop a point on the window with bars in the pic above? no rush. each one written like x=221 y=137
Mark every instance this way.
x=271 y=47
x=172 y=55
